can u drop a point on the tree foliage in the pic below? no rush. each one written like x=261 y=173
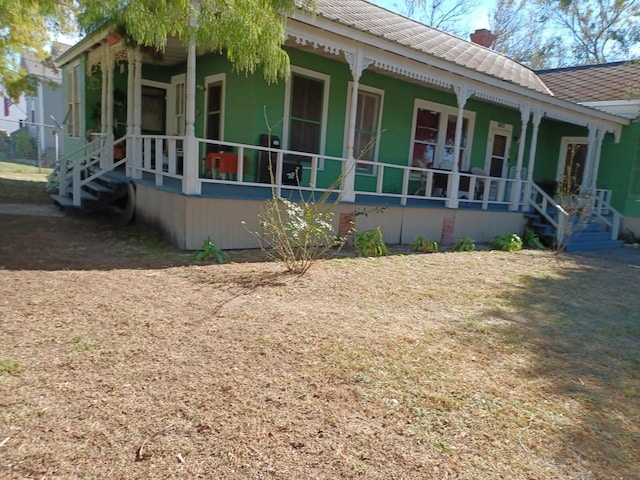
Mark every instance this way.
x=26 y=26
x=251 y=32
x=594 y=31
x=448 y=15
x=556 y=33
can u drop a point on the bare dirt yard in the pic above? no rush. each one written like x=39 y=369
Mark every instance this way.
x=122 y=358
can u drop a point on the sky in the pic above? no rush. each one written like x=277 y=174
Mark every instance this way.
x=481 y=14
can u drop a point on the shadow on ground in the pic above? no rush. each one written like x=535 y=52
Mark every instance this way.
x=583 y=328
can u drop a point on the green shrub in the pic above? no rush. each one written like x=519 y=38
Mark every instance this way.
x=370 y=243
x=297 y=234
x=464 y=244
x=531 y=240
x=209 y=251
x=508 y=242
x=423 y=245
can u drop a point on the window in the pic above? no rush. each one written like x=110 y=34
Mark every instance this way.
x=72 y=118
x=434 y=136
x=214 y=108
x=306 y=106
x=367 y=130
x=177 y=120
x=306 y=114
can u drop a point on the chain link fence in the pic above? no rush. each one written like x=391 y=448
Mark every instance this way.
x=32 y=144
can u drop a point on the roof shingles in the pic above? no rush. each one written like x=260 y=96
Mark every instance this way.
x=594 y=83
x=367 y=17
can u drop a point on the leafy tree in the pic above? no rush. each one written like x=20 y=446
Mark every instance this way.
x=556 y=33
x=251 y=32
x=595 y=31
x=448 y=15
x=26 y=27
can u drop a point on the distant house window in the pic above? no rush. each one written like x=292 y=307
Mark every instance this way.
x=634 y=186
x=434 y=136
x=73 y=101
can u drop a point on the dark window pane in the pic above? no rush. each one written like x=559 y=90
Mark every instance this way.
x=305 y=137
x=307 y=98
x=213 y=126
x=214 y=98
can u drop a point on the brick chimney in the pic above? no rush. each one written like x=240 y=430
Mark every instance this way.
x=483 y=37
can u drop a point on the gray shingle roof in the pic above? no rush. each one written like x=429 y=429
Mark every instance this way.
x=595 y=83
x=372 y=19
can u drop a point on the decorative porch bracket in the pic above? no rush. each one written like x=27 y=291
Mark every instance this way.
x=463 y=93
x=357 y=64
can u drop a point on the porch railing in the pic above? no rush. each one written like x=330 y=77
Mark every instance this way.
x=608 y=215
x=88 y=162
x=163 y=157
x=601 y=208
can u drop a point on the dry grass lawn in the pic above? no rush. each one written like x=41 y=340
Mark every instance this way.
x=120 y=359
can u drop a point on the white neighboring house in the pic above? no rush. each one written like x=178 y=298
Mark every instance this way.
x=46 y=104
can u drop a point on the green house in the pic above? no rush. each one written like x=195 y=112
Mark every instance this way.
x=427 y=133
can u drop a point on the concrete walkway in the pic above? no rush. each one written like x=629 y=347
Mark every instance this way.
x=41 y=210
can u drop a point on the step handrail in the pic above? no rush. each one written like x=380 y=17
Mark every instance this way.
x=81 y=173
x=608 y=215
x=542 y=208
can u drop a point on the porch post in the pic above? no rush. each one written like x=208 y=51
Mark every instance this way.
x=537 y=117
x=103 y=90
x=191 y=164
x=357 y=63
x=130 y=89
x=588 y=163
x=108 y=157
x=516 y=190
x=137 y=114
x=462 y=93
x=104 y=100
x=596 y=159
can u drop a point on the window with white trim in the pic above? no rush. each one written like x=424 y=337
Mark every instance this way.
x=214 y=106
x=305 y=109
x=305 y=126
x=434 y=134
x=72 y=118
x=367 y=129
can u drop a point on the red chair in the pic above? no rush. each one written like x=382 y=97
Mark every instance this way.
x=224 y=165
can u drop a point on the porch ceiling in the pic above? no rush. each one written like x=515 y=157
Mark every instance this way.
x=173 y=54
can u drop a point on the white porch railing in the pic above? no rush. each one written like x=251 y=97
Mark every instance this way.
x=608 y=215
x=162 y=156
x=541 y=201
x=601 y=209
x=81 y=166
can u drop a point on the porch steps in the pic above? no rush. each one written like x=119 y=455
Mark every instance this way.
x=592 y=236
x=106 y=192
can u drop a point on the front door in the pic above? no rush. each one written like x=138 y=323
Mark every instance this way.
x=573 y=156
x=498 y=145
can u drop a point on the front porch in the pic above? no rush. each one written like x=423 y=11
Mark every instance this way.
x=405 y=201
